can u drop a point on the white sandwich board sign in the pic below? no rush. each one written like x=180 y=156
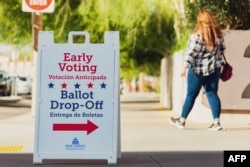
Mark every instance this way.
x=77 y=98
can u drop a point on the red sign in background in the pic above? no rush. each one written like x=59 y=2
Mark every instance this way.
x=38 y=5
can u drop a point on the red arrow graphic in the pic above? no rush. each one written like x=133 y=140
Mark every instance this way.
x=89 y=127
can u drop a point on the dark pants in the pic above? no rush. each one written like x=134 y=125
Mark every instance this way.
x=210 y=84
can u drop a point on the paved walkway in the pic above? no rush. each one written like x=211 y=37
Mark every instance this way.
x=147 y=138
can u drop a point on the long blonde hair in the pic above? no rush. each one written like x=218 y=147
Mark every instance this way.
x=208 y=26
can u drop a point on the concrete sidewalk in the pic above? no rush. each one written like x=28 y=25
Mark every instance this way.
x=147 y=138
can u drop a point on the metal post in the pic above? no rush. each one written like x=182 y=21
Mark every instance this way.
x=36 y=27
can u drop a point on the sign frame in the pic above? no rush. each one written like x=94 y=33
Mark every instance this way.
x=52 y=128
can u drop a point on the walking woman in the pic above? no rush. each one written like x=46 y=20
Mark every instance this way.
x=202 y=65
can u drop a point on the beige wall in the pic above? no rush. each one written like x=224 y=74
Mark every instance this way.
x=234 y=93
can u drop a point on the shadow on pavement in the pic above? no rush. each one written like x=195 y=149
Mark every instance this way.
x=18 y=101
x=131 y=159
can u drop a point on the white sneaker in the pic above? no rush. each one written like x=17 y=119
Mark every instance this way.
x=176 y=122
x=215 y=127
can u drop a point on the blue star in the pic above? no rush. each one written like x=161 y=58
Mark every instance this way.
x=51 y=85
x=77 y=86
x=103 y=85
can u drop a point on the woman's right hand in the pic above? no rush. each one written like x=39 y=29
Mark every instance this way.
x=184 y=72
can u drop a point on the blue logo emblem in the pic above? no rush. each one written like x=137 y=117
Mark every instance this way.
x=75 y=145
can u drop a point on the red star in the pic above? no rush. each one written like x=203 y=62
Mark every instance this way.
x=64 y=85
x=90 y=85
